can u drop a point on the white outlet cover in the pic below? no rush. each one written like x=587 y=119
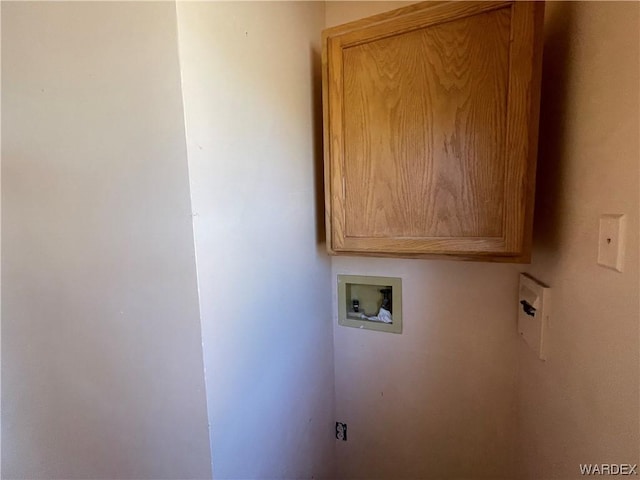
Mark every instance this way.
x=611 y=241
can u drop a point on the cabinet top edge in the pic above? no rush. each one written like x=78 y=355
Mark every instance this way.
x=425 y=7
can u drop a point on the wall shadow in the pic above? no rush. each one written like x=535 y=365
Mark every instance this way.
x=318 y=147
x=551 y=168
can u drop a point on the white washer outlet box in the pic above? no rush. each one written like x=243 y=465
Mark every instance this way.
x=533 y=313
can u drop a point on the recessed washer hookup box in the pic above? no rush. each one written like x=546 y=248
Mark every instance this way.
x=372 y=303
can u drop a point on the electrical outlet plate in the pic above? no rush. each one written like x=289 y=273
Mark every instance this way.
x=341 y=431
x=611 y=241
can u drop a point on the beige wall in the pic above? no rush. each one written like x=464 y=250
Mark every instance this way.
x=102 y=372
x=251 y=88
x=581 y=405
x=101 y=355
x=437 y=401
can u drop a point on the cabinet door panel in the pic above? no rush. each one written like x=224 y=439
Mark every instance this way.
x=424 y=130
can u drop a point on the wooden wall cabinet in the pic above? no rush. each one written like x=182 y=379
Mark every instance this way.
x=430 y=131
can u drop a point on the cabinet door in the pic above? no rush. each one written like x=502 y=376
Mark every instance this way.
x=431 y=129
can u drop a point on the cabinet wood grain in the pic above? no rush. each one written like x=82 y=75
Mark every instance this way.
x=430 y=120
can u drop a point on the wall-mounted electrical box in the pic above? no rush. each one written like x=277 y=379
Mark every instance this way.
x=533 y=313
x=373 y=303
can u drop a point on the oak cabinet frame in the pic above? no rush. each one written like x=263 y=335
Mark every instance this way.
x=510 y=160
